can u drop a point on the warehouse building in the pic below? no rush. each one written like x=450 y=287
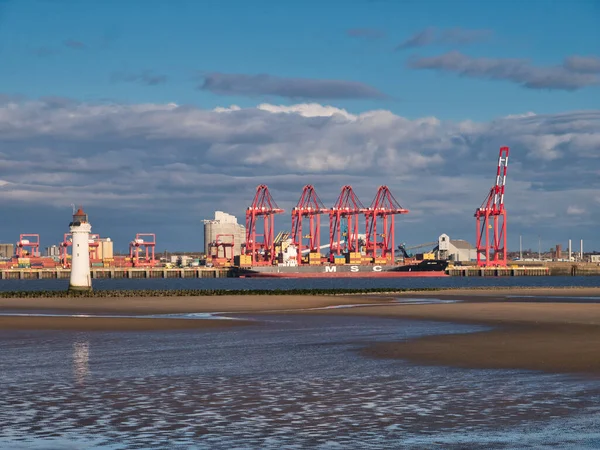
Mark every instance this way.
x=454 y=250
x=227 y=227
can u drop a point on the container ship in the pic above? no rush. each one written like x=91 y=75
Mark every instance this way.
x=426 y=268
x=288 y=264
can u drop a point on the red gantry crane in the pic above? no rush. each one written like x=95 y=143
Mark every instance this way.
x=68 y=241
x=343 y=237
x=64 y=250
x=28 y=245
x=218 y=244
x=491 y=215
x=260 y=246
x=309 y=206
x=147 y=260
x=382 y=210
x=94 y=243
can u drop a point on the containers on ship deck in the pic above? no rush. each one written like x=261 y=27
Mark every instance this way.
x=314 y=258
x=339 y=259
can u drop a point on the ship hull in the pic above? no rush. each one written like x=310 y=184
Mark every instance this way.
x=344 y=271
x=431 y=274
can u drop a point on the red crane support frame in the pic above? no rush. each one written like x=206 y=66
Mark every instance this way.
x=229 y=244
x=64 y=250
x=311 y=207
x=149 y=246
x=384 y=206
x=263 y=205
x=493 y=207
x=34 y=246
x=93 y=246
x=66 y=243
x=348 y=207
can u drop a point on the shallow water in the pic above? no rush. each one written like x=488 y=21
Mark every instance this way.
x=284 y=382
x=309 y=283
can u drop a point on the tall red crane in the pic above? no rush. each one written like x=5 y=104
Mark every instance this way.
x=343 y=222
x=382 y=211
x=261 y=245
x=491 y=216
x=311 y=207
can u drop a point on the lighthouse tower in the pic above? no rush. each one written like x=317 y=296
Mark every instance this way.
x=81 y=279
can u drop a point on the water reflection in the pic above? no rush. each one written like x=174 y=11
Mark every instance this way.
x=81 y=356
x=291 y=382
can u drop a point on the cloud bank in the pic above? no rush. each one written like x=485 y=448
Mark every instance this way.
x=291 y=88
x=146 y=77
x=164 y=167
x=575 y=72
x=451 y=36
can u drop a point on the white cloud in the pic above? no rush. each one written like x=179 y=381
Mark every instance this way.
x=188 y=162
x=307 y=110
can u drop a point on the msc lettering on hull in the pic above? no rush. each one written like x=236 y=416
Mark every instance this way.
x=333 y=269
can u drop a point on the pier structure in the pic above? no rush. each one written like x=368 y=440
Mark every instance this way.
x=117 y=273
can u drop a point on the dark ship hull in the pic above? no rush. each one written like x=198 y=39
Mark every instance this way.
x=429 y=268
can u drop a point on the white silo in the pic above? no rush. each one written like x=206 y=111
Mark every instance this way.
x=81 y=277
x=227 y=226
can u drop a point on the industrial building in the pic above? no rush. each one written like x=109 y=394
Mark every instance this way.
x=454 y=249
x=53 y=251
x=223 y=236
x=7 y=250
x=105 y=249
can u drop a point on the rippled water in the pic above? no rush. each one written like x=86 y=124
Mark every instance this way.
x=309 y=283
x=282 y=382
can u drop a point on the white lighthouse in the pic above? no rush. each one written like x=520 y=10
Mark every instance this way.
x=81 y=279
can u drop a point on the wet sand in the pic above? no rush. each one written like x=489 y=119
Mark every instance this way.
x=550 y=348
x=113 y=323
x=504 y=293
x=149 y=306
x=169 y=305
x=557 y=337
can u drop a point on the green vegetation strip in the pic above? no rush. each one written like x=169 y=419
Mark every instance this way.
x=217 y=292
x=200 y=292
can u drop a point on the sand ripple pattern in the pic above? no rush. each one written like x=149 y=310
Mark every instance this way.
x=291 y=382
x=225 y=412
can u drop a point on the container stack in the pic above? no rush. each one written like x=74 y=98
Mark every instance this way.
x=339 y=259
x=314 y=259
x=245 y=260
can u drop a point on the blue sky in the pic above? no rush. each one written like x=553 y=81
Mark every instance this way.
x=290 y=39
x=468 y=64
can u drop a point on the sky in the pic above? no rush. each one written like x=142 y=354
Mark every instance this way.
x=154 y=114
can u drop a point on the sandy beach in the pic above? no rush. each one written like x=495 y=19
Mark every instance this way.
x=556 y=336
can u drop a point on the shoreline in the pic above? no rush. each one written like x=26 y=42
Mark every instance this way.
x=557 y=336
x=91 y=324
